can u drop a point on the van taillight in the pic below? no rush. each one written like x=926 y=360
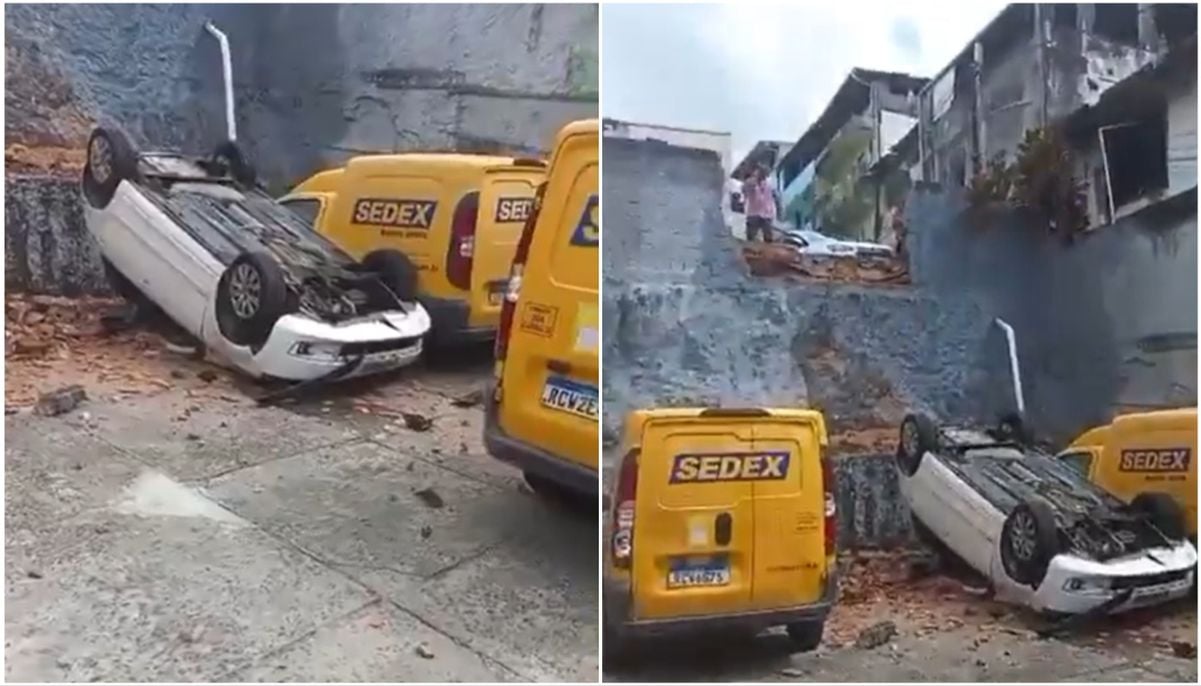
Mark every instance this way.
x=513 y=290
x=460 y=254
x=829 y=487
x=623 y=511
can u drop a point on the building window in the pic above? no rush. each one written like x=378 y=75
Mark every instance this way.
x=1117 y=22
x=1136 y=157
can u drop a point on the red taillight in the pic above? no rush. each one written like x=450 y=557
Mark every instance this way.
x=623 y=510
x=462 y=241
x=829 y=486
x=513 y=290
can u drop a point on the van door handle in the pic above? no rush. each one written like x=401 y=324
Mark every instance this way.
x=559 y=366
x=723 y=528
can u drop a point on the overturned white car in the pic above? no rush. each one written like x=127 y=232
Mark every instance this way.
x=1043 y=535
x=248 y=278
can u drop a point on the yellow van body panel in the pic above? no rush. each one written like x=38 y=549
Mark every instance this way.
x=729 y=515
x=1146 y=452
x=407 y=202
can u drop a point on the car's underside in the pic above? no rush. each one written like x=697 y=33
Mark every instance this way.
x=228 y=220
x=1092 y=523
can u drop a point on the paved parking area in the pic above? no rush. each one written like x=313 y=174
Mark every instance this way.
x=171 y=538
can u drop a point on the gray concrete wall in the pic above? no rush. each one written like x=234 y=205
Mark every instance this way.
x=684 y=324
x=46 y=246
x=317 y=82
x=1105 y=322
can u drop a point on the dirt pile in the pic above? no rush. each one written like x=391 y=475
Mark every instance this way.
x=898 y=587
x=46 y=127
x=52 y=342
x=776 y=259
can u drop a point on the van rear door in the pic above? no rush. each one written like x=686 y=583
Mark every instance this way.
x=789 y=508
x=552 y=368
x=506 y=200
x=694 y=518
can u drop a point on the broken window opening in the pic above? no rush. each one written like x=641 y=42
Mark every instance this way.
x=1136 y=158
x=306 y=208
x=1117 y=22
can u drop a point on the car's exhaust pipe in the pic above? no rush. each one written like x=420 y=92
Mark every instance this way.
x=227 y=74
x=1014 y=370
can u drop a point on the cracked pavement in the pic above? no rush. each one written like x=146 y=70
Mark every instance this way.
x=169 y=537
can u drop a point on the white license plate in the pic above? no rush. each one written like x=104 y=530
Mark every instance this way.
x=693 y=576
x=571 y=397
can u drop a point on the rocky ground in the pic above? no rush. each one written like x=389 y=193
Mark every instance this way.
x=167 y=527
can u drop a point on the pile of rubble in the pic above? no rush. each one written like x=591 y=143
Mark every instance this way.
x=54 y=342
x=886 y=593
x=778 y=259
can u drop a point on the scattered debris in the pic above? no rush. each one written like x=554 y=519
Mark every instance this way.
x=430 y=497
x=1184 y=649
x=876 y=635
x=193 y=437
x=470 y=399
x=417 y=422
x=792 y=672
x=424 y=651
x=778 y=259
x=61 y=401
x=426 y=531
x=33 y=574
x=207 y=375
x=186 y=350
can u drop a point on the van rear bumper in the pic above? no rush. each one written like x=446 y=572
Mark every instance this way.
x=617 y=612
x=530 y=458
x=448 y=321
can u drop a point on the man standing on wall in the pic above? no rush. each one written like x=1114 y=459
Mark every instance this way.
x=760 y=204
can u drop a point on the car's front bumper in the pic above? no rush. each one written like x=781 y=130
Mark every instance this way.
x=531 y=458
x=302 y=349
x=1074 y=585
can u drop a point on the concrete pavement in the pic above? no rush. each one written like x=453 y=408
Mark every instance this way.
x=170 y=538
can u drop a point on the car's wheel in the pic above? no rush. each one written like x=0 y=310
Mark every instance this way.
x=111 y=159
x=230 y=157
x=557 y=493
x=1012 y=428
x=1029 y=539
x=918 y=436
x=1164 y=512
x=251 y=296
x=806 y=636
x=396 y=270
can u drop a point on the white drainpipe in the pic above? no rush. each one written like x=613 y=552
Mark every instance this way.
x=228 y=77
x=1014 y=370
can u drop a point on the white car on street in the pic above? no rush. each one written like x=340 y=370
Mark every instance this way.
x=1045 y=536
x=245 y=276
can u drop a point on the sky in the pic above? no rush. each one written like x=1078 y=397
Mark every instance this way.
x=765 y=71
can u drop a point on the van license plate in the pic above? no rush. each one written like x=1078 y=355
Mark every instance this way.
x=687 y=575
x=570 y=397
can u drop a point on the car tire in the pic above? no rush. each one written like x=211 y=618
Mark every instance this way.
x=806 y=636
x=918 y=435
x=1029 y=540
x=396 y=271
x=557 y=493
x=251 y=296
x=230 y=157
x=1164 y=512
x=111 y=159
x=1011 y=427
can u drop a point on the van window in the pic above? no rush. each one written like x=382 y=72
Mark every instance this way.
x=307 y=208
x=1081 y=462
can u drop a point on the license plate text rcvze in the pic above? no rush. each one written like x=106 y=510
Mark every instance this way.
x=762 y=466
